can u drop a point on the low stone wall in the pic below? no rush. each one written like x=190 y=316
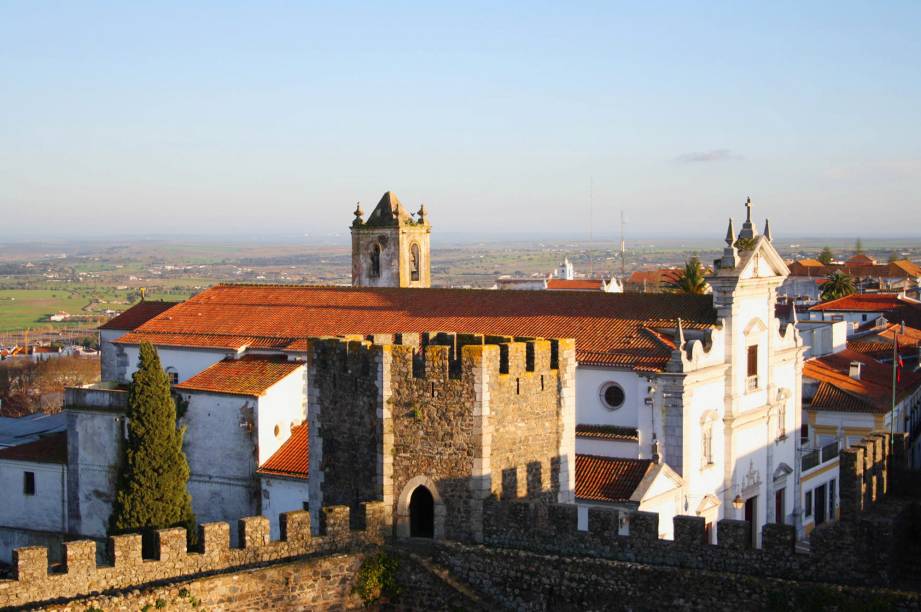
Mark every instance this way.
x=323 y=583
x=32 y=582
x=522 y=580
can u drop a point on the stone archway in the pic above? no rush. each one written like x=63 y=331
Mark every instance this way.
x=414 y=500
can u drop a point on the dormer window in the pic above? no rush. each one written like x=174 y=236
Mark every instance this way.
x=374 y=270
x=415 y=263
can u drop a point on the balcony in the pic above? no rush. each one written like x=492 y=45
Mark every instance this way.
x=819 y=456
x=751 y=383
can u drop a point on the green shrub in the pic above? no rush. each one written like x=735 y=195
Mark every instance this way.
x=377 y=578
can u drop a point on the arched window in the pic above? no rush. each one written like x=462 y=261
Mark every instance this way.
x=415 y=262
x=374 y=270
x=173 y=375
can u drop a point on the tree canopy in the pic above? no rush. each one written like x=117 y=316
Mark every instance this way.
x=152 y=490
x=826 y=256
x=691 y=280
x=837 y=285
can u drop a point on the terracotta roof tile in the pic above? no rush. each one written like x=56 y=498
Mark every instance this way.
x=607 y=432
x=606 y=326
x=247 y=376
x=51 y=448
x=292 y=458
x=609 y=479
x=137 y=315
x=831 y=397
x=875 y=384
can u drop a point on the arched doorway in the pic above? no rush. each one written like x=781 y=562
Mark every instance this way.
x=421 y=513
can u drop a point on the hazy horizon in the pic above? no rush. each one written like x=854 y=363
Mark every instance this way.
x=271 y=119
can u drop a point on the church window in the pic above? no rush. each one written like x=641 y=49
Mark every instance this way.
x=751 y=381
x=173 y=375
x=415 y=263
x=375 y=267
x=612 y=395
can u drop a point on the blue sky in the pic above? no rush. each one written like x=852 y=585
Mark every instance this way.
x=275 y=117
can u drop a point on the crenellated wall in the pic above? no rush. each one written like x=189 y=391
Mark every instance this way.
x=860 y=549
x=80 y=575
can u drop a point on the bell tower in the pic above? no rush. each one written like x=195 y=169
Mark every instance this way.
x=391 y=248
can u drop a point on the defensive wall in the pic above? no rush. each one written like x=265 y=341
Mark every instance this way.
x=862 y=547
x=33 y=582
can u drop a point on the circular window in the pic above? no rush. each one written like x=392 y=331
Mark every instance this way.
x=612 y=395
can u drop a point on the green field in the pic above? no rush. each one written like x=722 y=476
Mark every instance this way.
x=29 y=308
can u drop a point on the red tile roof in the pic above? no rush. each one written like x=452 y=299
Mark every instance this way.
x=607 y=432
x=251 y=375
x=895 y=308
x=874 y=386
x=653 y=277
x=610 y=479
x=830 y=397
x=607 y=327
x=292 y=459
x=578 y=284
x=137 y=315
x=47 y=449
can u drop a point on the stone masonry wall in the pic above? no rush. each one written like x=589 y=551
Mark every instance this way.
x=464 y=415
x=32 y=582
x=862 y=548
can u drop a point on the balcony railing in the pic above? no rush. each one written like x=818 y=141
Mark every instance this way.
x=830 y=451
x=751 y=383
x=817 y=456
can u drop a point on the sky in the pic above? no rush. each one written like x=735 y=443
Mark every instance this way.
x=212 y=118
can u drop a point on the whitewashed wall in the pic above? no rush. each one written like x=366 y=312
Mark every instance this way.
x=94 y=443
x=283 y=405
x=187 y=362
x=43 y=511
x=282 y=495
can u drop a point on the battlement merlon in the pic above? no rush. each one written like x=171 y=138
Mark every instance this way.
x=442 y=355
x=32 y=581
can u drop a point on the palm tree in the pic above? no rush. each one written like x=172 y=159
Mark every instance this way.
x=691 y=280
x=837 y=285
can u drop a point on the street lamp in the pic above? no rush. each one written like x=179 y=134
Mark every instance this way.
x=738 y=503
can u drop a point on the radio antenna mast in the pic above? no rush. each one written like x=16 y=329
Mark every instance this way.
x=591 y=259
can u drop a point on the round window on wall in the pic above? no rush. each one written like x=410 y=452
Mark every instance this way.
x=612 y=395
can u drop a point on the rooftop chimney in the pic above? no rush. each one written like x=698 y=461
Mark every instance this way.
x=854 y=371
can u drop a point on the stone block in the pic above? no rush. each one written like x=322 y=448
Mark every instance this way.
x=214 y=538
x=254 y=531
x=603 y=523
x=334 y=521
x=295 y=526
x=778 y=538
x=563 y=519
x=644 y=526
x=80 y=556
x=690 y=531
x=171 y=544
x=125 y=550
x=30 y=563
x=375 y=523
x=734 y=534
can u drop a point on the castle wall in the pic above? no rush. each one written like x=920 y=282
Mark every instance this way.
x=94 y=443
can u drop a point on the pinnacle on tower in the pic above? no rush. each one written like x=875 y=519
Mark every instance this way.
x=730 y=234
x=767 y=230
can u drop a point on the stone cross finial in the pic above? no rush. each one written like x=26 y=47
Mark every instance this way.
x=748 y=209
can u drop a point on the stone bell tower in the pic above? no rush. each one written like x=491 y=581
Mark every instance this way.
x=391 y=248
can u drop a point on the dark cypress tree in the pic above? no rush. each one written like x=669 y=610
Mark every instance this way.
x=152 y=491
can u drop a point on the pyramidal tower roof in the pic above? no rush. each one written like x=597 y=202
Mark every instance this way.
x=389 y=211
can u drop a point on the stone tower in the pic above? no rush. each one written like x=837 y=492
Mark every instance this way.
x=391 y=248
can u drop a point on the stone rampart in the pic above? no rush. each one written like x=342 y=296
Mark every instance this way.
x=79 y=575
x=860 y=549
